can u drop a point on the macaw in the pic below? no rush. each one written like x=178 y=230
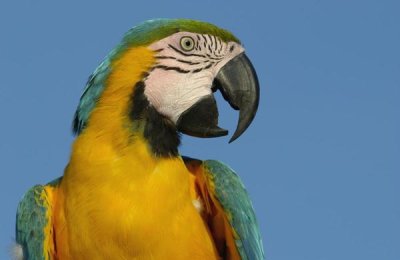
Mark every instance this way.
x=126 y=192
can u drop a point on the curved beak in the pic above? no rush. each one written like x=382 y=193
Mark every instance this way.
x=238 y=83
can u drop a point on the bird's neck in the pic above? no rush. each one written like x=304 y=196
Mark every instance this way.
x=115 y=175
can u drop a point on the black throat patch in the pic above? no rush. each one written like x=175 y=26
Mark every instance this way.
x=160 y=133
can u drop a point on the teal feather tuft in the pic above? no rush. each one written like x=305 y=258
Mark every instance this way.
x=32 y=220
x=93 y=90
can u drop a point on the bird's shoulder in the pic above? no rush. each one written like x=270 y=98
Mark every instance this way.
x=222 y=191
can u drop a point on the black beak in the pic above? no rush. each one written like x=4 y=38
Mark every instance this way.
x=238 y=83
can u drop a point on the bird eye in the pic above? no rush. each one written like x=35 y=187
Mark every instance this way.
x=187 y=43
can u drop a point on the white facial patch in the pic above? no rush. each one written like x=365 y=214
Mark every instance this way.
x=181 y=77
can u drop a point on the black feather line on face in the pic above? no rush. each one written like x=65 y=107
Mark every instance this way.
x=160 y=132
x=177 y=69
x=185 y=54
x=220 y=46
x=178 y=60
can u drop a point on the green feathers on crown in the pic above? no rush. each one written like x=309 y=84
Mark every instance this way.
x=141 y=35
x=154 y=30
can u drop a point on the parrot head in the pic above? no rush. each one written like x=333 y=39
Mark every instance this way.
x=189 y=60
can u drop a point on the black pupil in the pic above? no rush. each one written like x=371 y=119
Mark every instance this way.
x=188 y=43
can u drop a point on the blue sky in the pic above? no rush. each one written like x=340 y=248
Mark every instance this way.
x=321 y=161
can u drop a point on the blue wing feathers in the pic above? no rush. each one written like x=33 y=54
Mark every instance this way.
x=32 y=219
x=30 y=224
x=233 y=197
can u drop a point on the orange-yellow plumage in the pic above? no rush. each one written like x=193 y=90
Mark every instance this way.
x=108 y=178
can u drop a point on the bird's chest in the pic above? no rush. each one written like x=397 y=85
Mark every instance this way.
x=144 y=218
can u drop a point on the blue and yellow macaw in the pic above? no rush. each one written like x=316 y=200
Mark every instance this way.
x=126 y=192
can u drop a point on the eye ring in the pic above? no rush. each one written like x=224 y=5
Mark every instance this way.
x=187 y=43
